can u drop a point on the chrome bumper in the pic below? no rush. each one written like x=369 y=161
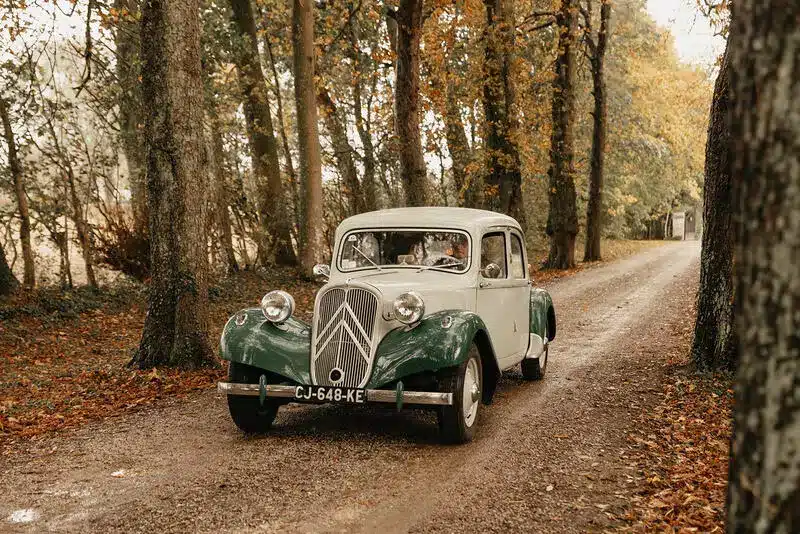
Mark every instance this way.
x=373 y=395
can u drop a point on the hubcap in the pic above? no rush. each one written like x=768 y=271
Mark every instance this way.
x=472 y=392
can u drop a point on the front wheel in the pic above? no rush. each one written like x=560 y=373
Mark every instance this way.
x=247 y=412
x=457 y=422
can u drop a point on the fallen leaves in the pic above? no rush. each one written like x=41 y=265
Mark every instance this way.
x=682 y=455
x=60 y=370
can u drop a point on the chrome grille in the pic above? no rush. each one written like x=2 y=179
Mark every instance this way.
x=343 y=336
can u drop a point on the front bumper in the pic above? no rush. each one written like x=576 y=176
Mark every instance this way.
x=389 y=396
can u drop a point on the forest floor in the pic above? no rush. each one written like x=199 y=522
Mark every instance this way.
x=643 y=448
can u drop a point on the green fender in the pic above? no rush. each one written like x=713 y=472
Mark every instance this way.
x=283 y=349
x=429 y=346
x=542 y=314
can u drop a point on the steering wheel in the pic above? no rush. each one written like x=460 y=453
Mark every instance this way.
x=446 y=260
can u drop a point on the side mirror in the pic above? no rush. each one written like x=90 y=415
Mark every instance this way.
x=322 y=270
x=491 y=271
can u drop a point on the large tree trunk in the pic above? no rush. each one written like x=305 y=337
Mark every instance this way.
x=176 y=324
x=764 y=479
x=126 y=39
x=8 y=282
x=29 y=276
x=503 y=185
x=307 y=133
x=413 y=173
x=594 y=207
x=342 y=151
x=714 y=345
x=264 y=149
x=562 y=220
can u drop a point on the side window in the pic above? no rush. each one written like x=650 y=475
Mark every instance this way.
x=517 y=258
x=493 y=250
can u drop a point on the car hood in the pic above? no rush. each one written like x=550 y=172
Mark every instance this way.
x=439 y=290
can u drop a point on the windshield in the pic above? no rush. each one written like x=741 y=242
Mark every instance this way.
x=420 y=249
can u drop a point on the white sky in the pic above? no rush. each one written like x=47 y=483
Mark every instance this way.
x=695 y=41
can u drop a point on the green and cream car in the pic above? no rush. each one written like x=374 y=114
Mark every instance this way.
x=423 y=307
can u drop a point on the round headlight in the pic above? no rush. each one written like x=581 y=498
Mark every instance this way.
x=409 y=308
x=277 y=306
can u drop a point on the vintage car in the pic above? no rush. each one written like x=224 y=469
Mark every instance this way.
x=423 y=307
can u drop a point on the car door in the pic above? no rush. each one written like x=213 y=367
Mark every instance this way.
x=497 y=302
x=518 y=274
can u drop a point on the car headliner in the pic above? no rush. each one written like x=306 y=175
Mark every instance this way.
x=471 y=220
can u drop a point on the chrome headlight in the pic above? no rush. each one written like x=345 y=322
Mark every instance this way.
x=409 y=308
x=277 y=306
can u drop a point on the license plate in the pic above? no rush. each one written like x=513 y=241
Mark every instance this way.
x=330 y=394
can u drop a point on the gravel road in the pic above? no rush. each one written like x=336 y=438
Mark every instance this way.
x=548 y=457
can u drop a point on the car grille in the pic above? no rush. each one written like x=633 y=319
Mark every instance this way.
x=343 y=337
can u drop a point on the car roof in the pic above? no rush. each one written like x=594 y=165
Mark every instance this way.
x=429 y=217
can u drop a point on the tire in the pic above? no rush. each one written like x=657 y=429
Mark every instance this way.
x=247 y=412
x=534 y=368
x=457 y=422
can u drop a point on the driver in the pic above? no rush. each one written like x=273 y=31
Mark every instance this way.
x=459 y=249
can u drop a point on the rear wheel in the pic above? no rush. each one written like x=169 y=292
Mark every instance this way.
x=247 y=412
x=458 y=421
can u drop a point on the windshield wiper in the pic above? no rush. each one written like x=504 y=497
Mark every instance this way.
x=453 y=263
x=366 y=257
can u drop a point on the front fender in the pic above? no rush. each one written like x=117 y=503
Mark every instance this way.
x=283 y=349
x=429 y=346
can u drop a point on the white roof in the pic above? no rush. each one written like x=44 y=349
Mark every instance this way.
x=428 y=217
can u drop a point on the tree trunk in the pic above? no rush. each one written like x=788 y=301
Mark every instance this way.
x=176 y=324
x=126 y=39
x=503 y=184
x=342 y=151
x=764 y=480
x=413 y=173
x=8 y=282
x=264 y=149
x=307 y=133
x=467 y=192
x=294 y=183
x=223 y=218
x=594 y=208
x=64 y=161
x=368 y=184
x=562 y=220
x=714 y=345
x=29 y=276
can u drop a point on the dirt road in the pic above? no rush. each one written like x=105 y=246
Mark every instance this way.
x=549 y=456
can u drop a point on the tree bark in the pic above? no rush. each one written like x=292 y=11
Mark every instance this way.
x=764 y=480
x=176 y=324
x=714 y=345
x=126 y=39
x=503 y=184
x=342 y=151
x=594 y=208
x=8 y=282
x=261 y=134
x=307 y=133
x=413 y=173
x=29 y=273
x=562 y=220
